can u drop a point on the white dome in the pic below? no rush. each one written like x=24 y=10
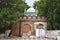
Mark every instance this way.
x=31 y=10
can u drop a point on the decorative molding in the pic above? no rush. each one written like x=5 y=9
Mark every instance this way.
x=34 y=18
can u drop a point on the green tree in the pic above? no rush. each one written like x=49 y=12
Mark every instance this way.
x=50 y=8
x=10 y=11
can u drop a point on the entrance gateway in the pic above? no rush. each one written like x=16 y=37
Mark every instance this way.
x=28 y=23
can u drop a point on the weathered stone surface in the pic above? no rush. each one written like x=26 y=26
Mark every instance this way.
x=26 y=28
x=15 y=29
x=28 y=24
x=29 y=39
x=53 y=33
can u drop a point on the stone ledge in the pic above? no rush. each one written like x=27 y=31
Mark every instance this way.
x=28 y=38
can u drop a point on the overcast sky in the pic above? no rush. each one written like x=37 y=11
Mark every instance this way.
x=30 y=2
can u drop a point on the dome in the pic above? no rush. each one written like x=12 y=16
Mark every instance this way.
x=31 y=10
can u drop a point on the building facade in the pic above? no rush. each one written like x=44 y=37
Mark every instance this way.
x=28 y=23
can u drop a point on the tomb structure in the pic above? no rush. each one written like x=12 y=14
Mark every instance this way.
x=28 y=23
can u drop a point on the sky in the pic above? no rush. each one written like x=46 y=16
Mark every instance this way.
x=30 y=2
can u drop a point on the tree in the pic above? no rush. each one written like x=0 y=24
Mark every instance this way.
x=50 y=8
x=10 y=11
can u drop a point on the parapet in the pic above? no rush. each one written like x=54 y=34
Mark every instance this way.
x=34 y=18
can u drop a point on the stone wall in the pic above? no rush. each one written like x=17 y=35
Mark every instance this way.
x=28 y=39
x=53 y=32
x=15 y=29
x=32 y=21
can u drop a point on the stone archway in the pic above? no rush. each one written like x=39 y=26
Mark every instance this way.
x=26 y=28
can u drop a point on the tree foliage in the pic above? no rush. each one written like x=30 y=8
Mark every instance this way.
x=10 y=11
x=51 y=9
